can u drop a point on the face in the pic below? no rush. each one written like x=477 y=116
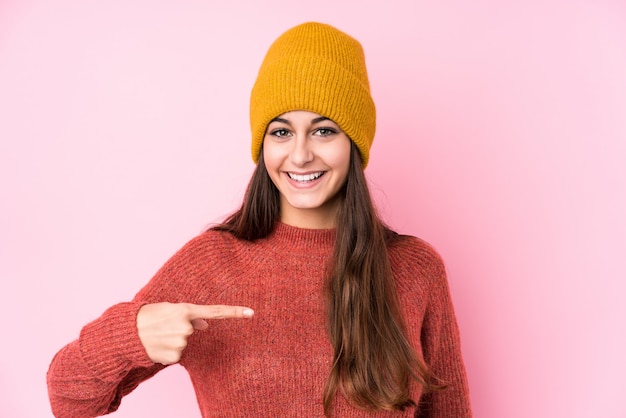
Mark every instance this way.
x=307 y=157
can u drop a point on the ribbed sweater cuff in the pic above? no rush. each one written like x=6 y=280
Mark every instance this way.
x=110 y=345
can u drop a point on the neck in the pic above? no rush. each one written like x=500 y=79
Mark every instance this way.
x=308 y=219
x=324 y=217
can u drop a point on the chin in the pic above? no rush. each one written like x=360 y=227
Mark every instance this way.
x=305 y=205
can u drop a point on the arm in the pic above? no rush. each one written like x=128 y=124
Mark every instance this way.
x=132 y=341
x=89 y=376
x=442 y=352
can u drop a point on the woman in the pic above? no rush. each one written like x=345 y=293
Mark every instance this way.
x=350 y=319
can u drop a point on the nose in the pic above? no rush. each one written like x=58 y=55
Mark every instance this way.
x=301 y=153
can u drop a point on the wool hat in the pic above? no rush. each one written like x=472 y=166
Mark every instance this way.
x=318 y=68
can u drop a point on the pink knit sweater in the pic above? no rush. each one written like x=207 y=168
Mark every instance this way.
x=276 y=363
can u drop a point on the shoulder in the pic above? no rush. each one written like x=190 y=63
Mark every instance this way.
x=415 y=262
x=208 y=249
x=203 y=266
x=214 y=241
x=410 y=250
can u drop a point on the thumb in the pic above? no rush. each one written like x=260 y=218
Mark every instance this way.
x=199 y=324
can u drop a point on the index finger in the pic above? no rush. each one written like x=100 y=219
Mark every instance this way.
x=218 y=311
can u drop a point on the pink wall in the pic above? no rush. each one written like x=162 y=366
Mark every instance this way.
x=501 y=140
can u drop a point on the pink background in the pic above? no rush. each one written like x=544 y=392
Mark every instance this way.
x=501 y=140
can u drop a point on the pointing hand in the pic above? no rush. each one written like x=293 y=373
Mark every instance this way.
x=164 y=327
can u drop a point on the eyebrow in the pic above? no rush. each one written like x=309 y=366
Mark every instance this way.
x=314 y=121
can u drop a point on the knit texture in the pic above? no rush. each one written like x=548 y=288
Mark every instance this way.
x=275 y=364
x=317 y=68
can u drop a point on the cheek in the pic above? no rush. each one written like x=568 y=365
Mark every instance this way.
x=273 y=161
x=269 y=157
x=339 y=158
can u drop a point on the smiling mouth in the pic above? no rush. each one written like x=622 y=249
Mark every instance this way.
x=305 y=177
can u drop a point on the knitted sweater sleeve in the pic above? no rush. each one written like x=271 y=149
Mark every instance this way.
x=442 y=350
x=90 y=376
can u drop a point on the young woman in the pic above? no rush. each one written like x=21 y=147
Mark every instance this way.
x=350 y=319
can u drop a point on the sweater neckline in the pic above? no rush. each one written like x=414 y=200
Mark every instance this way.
x=302 y=241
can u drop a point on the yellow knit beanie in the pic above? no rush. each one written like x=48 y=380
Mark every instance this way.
x=317 y=68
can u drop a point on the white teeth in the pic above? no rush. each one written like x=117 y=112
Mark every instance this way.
x=305 y=177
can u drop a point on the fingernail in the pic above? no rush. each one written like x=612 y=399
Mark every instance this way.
x=248 y=312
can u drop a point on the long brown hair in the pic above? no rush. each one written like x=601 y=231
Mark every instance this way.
x=373 y=361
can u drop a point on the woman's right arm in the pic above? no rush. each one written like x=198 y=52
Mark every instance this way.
x=89 y=376
x=128 y=344
x=132 y=341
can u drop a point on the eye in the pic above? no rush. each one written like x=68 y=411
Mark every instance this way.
x=280 y=132
x=325 y=131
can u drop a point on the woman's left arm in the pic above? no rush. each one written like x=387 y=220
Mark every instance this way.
x=441 y=348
